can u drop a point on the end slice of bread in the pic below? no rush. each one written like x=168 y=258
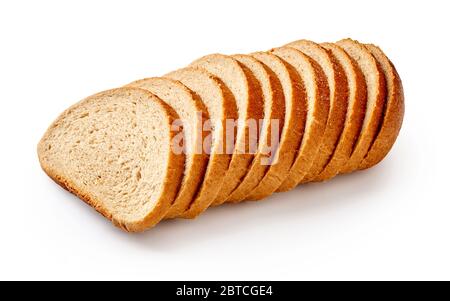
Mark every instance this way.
x=247 y=94
x=114 y=151
x=221 y=107
x=357 y=101
x=318 y=105
x=193 y=114
x=376 y=91
x=337 y=83
x=393 y=112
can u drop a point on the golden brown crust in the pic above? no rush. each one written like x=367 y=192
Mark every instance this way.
x=170 y=185
x=218 y=162
x=337 y=83
x=241 y=158
x=276 y=111
x=199 y=167
x=369 y=131
x=314 y=134
x=241 y=164
x=393 y=112
x=355 y=115
x=193 y=175
x=292 y=131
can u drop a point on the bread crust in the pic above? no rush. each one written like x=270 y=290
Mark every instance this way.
x=275 y=98
x=373 y=122
x=337 y=83
x=393 y=112
x=240 y=162
x=293 y=127
x=171 y=181
x=194 y=173
x=355 y=113
x=218 y=162
x=313 y=136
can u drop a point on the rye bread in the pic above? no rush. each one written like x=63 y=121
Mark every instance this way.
x=247 y=93
x=376 y=91
x=272 y=124
x=393 y=111
x=294 y=97
x=193 y=114
x=318 y=105
x=113 y=150
x=221 y=107
x=355 y=112
x=337 y=83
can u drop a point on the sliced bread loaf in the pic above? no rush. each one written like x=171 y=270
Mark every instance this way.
x=376 y=92
x=192 y=114
x=272 y=124
x=294 y=97
x=355 y=112
x=393 y=112
x=337 y=83
x=221 y=107
x=247 y=93
x=114 y=151
x=318 y=104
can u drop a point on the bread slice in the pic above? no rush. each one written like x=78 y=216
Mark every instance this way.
x=318 y=105
x=337 y=83
x=272 y=124
x=393 y=112
x=221 y=107
x=192 y=114
x=114 y=151
x=247 y=94
x=376 y=92
x=294 y=97
x=355 y=112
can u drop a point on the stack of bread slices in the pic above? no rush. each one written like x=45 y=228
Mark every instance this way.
x=226 y=128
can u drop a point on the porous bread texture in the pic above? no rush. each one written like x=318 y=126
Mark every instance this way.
x=272 y=124
x=294 y=97
x=247 y=94
x=337 y=83
x=318 y=104
x=221 y=106
x=113 y=150
x=193 y=114
x=376 y=91
x=393 y=111
x=355 y=112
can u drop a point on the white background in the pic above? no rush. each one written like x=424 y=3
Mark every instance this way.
x=391 y=222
